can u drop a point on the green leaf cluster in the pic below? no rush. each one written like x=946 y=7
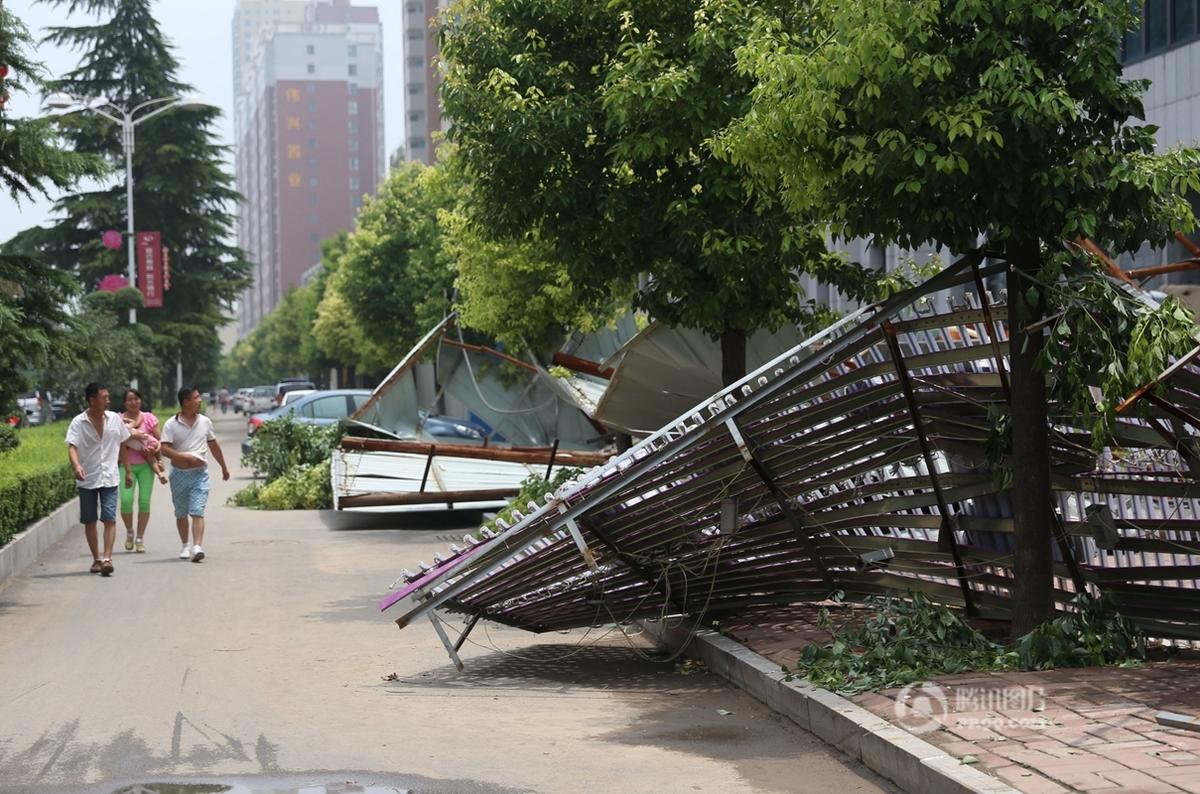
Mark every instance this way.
x=907 y=640
x=301 y=488
x=1094 y=634
x=1104 y=342
x=901 y=642
x=583 y=130
x=284 y=445
x=32 y=159
x=396 y=274
x=950 y=119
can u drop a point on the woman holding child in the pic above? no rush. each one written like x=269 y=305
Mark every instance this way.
x=143 y=464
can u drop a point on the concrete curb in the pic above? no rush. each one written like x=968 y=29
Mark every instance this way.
x=24 y=549
x=912 y=763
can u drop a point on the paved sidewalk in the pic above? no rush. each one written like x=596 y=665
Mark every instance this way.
x=1082 y=729
x=269 y=665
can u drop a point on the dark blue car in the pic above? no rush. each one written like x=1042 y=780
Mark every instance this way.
x=318 y=408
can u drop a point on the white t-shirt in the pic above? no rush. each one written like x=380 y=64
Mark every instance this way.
x=98 y=452
x=192 y=439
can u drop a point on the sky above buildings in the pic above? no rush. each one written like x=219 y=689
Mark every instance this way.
x=200 y=31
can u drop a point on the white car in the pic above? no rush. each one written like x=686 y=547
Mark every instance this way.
x=262 y=398
x=295 y=394
x=241 y=397
x=36 y=405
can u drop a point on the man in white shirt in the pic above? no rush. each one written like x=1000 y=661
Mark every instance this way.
x=187 y=438
x=95 y=446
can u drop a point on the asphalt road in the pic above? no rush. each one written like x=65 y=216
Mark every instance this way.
x=268 y=667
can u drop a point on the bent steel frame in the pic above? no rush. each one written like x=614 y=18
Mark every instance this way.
x=858 y=463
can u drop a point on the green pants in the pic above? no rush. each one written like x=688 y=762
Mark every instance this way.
x=143 y=482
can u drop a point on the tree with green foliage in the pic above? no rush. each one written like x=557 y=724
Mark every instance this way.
x=336 y=331
x=34 y=297
x=934 y=120
x=180 y=186
x=282 y=344
x=395 y=272
x=518 y=293
x=584 y=127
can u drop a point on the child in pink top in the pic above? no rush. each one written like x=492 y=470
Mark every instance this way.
x=143 y=463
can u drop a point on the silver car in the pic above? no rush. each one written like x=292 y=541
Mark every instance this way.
x=36 y=405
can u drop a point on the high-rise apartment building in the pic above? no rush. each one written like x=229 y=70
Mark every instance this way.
x=308 y=120
x=422 y=107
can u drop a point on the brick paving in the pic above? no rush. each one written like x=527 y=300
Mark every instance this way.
x=1072 y=729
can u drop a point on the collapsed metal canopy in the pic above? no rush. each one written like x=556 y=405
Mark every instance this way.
x=856 y=462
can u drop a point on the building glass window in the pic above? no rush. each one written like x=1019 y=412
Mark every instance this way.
x=416 y=88
x=310 y=88
x=312 y=107
x=353 y=163
x=1164 y=24
x=416 y=61
x=354 y=144
x=352 y=108
x=1156 y=25
x=310 y=50
x=416 y=34
x=1183 y=20
x=312 y=69
x=352 y=126
x=352 y=69
x=354 y=183
x=352 y=50
x=416 y=115
x=416 y=143
x=312 y=181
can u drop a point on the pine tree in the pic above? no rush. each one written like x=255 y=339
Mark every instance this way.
x=180 y=186
x=32 y=295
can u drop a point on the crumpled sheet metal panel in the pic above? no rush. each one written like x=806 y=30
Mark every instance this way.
x=820 y=451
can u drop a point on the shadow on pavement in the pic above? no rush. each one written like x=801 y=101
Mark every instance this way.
x=432 y=520
x=565 y=668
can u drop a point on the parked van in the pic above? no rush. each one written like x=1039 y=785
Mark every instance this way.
x=292 y=384
x=262 y=398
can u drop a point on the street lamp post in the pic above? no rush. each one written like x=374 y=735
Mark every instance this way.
x=127 y=119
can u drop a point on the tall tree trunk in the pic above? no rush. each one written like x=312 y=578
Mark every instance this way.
x=733 y=355
x=1032 y=600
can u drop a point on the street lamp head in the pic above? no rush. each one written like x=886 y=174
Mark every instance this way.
x=192 y=102
x=61 y=101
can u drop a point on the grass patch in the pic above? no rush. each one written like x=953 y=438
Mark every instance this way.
x=35 y=478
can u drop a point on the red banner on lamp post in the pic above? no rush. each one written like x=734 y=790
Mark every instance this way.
x=149 y=262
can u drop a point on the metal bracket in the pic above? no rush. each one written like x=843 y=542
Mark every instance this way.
x=451 y=648
x=781 y=499
x=588 y=556
x=947 y=539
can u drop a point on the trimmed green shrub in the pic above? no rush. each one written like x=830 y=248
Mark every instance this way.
x=9 y=439
x=284 y=444
x=35 y=478
x=302 y=488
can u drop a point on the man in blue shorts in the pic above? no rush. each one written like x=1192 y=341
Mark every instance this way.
x=187 y=438
x=95 y=447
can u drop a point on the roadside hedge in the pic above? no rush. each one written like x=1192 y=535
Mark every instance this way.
x=35 y=478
